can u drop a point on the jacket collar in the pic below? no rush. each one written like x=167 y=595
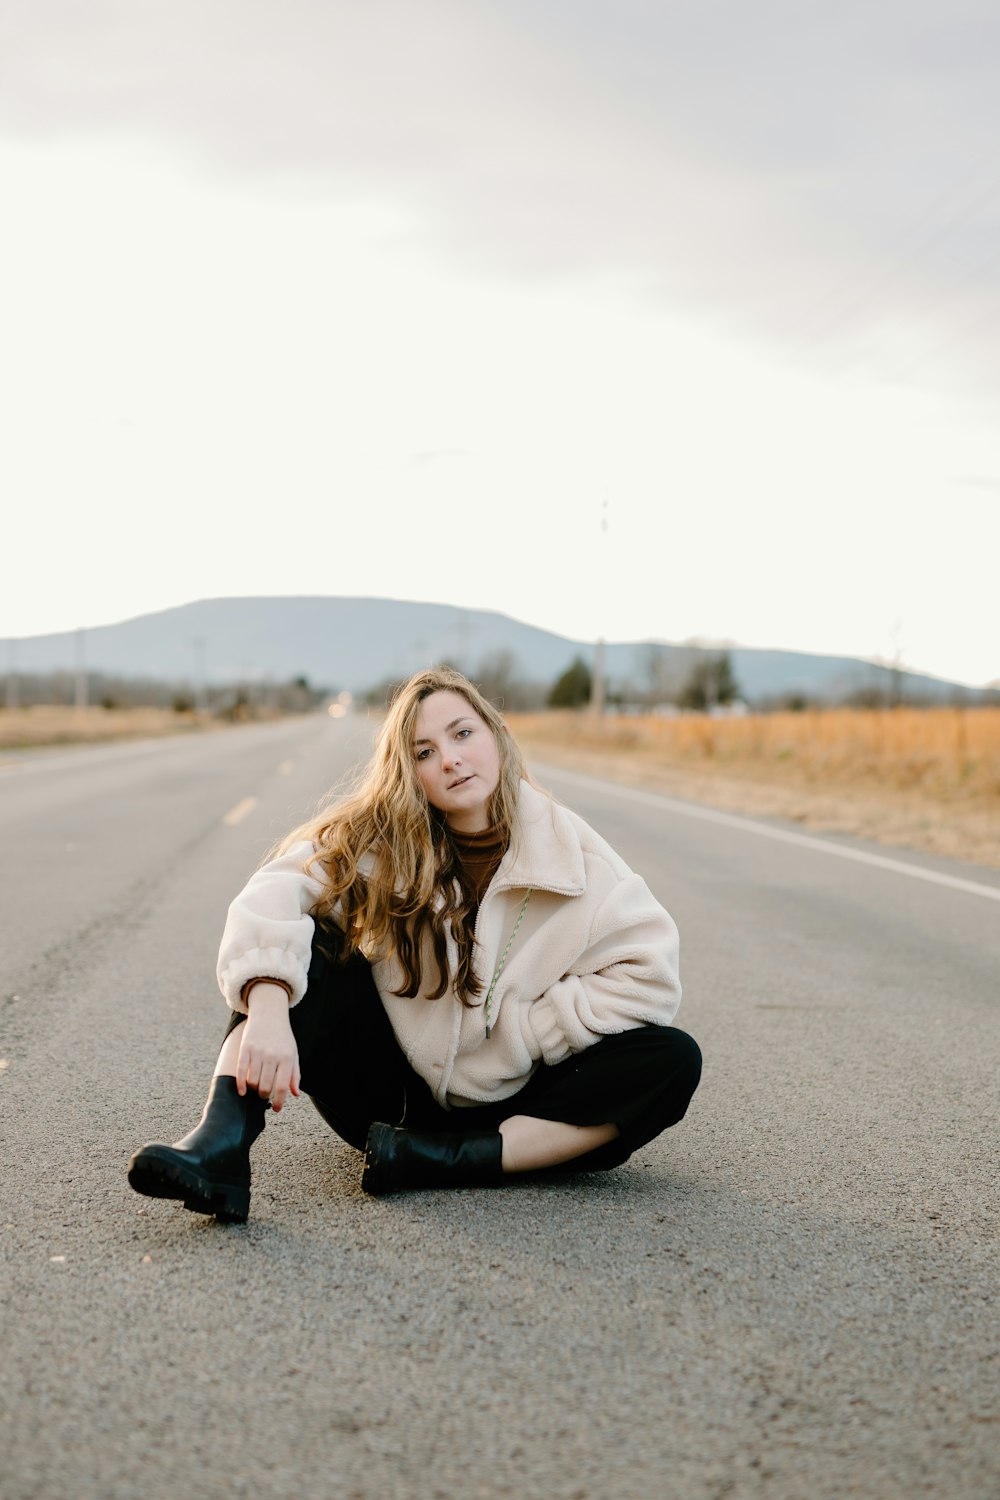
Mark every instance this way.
x=545 y=850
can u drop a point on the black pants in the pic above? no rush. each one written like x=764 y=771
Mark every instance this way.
x=355 y=1073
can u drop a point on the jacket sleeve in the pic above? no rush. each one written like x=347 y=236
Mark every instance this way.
x=269 y=930
x=626 y=976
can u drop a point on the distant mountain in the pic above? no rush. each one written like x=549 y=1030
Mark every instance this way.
x=356 y=643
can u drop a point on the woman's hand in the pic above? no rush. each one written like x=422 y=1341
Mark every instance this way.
x=269 y=1059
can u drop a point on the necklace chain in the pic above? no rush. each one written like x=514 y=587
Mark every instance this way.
x=503 y=959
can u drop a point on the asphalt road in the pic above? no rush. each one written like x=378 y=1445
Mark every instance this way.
x=792 y=1294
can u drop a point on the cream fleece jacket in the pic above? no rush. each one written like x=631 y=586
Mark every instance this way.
x=595 y=954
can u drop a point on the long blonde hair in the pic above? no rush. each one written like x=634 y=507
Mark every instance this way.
x=410 y=886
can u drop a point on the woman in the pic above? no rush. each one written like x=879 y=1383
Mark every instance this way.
x=466 y=979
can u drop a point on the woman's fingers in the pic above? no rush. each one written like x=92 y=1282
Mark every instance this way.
x=250 y=1070
x=274 y=1078
x=266 y=1076
x=286 y=1081
x=243 y=1064
x=279 y=1091
x=268 y=1061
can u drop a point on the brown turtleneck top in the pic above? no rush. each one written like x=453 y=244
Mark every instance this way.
x=478 y=856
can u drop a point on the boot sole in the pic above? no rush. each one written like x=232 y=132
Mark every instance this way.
x=163 y=1176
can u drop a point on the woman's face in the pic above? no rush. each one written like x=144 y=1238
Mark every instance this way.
x=457 y=760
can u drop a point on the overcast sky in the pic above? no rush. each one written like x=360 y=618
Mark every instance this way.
x=633 y=320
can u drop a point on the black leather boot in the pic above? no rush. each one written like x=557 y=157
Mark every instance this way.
x=209 y=1169
x=397 y=1159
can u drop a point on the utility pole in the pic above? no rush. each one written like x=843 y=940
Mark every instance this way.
x=896 y=669
x=199 y=672
x=597 y=680
x=80 y=696
x=597 y=677
x=13 y=685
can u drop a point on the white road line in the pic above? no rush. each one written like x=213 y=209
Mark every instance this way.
x=783 y=836
x=238 y=813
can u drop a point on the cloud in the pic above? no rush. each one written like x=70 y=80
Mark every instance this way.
x=462 y=273
x=822 y=178
x=979 y=482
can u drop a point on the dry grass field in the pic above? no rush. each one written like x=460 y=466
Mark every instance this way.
x=45 y=724
x=922 y=778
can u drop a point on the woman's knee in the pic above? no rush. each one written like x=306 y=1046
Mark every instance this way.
x=668 y=1059
x=687 y=1054
x=668 y=1046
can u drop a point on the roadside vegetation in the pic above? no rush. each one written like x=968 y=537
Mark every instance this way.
x=128 y=709
x=922 y=777
x=926 y=778
x=43 y=724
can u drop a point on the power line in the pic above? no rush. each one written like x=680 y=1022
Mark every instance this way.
x=933 y=226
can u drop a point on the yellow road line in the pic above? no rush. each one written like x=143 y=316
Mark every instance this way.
x=238 y=813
